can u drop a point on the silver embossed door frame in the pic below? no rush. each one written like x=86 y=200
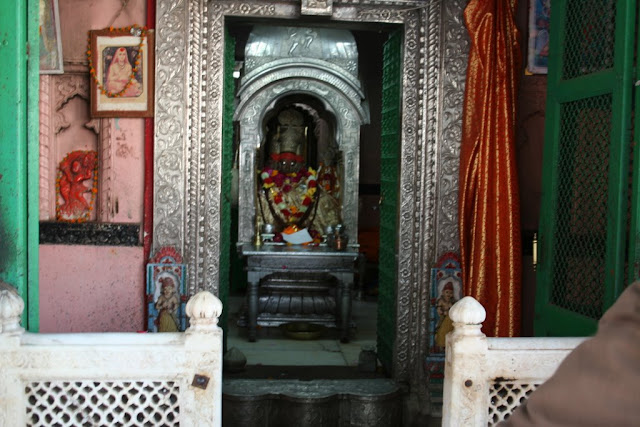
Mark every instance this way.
x=188 y=141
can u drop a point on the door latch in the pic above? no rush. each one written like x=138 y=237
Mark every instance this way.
x=535 y=251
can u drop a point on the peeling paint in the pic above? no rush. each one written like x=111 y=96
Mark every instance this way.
x=5 y=247
x=124 y=150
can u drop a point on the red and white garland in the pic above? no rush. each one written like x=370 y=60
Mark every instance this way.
x=278 y=184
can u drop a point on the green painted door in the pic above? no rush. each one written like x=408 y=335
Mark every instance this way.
x=227 y=160
x=586 y=211
x=389 y=161
x=19 y=152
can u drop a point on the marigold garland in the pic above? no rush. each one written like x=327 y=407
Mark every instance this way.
x=134 y=30
x=278 y=183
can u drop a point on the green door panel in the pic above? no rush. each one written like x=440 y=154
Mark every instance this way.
x=227 y=160
x=634 y=208
x=19 y=53
x=586 y=175
x=390 y=148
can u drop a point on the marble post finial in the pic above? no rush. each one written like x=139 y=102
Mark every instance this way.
x=203 y=310
x=11 y=307
x=467 y=315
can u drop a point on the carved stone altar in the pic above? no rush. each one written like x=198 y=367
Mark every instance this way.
x=294 y=263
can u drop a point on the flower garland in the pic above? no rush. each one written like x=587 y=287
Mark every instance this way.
x=276 y=184
x=134 y=30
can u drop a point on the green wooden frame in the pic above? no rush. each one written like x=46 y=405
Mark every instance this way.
x=553 y=320
x=389 y=191
x=19 y=154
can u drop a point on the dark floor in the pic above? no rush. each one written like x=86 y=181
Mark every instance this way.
x=276 y=357
x=303 y=373
x=274 y=348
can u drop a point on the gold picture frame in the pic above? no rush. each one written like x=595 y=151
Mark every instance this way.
x=122 y=72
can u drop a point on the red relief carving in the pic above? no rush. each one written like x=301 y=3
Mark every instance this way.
x=74 y=170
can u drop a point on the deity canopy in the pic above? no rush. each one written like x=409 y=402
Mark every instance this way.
x=294 y=171
x=288 y=194
x=267 y=44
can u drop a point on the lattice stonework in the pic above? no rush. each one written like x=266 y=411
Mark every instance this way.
x=93 y=403
x=505 y=397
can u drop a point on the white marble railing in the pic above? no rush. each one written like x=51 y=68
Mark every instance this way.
x=133 y=379
x=487 y=378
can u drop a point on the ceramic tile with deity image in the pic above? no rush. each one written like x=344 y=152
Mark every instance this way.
x=446 y=289
x=166 y=294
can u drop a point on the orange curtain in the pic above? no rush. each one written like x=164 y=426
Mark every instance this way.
x=489 y=211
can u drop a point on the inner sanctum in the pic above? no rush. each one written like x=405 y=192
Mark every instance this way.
x=300 y=107
x=360 y=101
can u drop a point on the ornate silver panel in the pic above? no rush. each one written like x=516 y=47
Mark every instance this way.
x=189 y=133
x=453 y=69
x=338 y=90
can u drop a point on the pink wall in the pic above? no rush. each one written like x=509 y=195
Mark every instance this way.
x=77 y=17
x=127 y=172
x=91 y=288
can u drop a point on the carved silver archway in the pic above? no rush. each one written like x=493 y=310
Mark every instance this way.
x=188 y=135
x=332 y=80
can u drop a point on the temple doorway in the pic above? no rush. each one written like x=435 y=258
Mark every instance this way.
x=279 y=351
x=191 y=124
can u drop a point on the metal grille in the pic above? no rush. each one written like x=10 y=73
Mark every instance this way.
x=227 y=166
x=630 y=274
x=505 y=397
x=590 y=37
x=389 y=149
x=95 y=403
x=580 y=235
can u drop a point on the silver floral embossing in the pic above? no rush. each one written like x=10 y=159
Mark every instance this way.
x=188 y=140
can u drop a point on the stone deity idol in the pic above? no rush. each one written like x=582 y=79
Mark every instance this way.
x=288 y=192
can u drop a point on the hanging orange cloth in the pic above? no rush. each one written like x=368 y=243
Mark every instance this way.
x=489 y=211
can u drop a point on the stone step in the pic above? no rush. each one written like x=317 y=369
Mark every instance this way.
x=316 y=403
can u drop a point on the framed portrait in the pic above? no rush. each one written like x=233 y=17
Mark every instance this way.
x=539 y=15
x=50 y=38
x=122 y=68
